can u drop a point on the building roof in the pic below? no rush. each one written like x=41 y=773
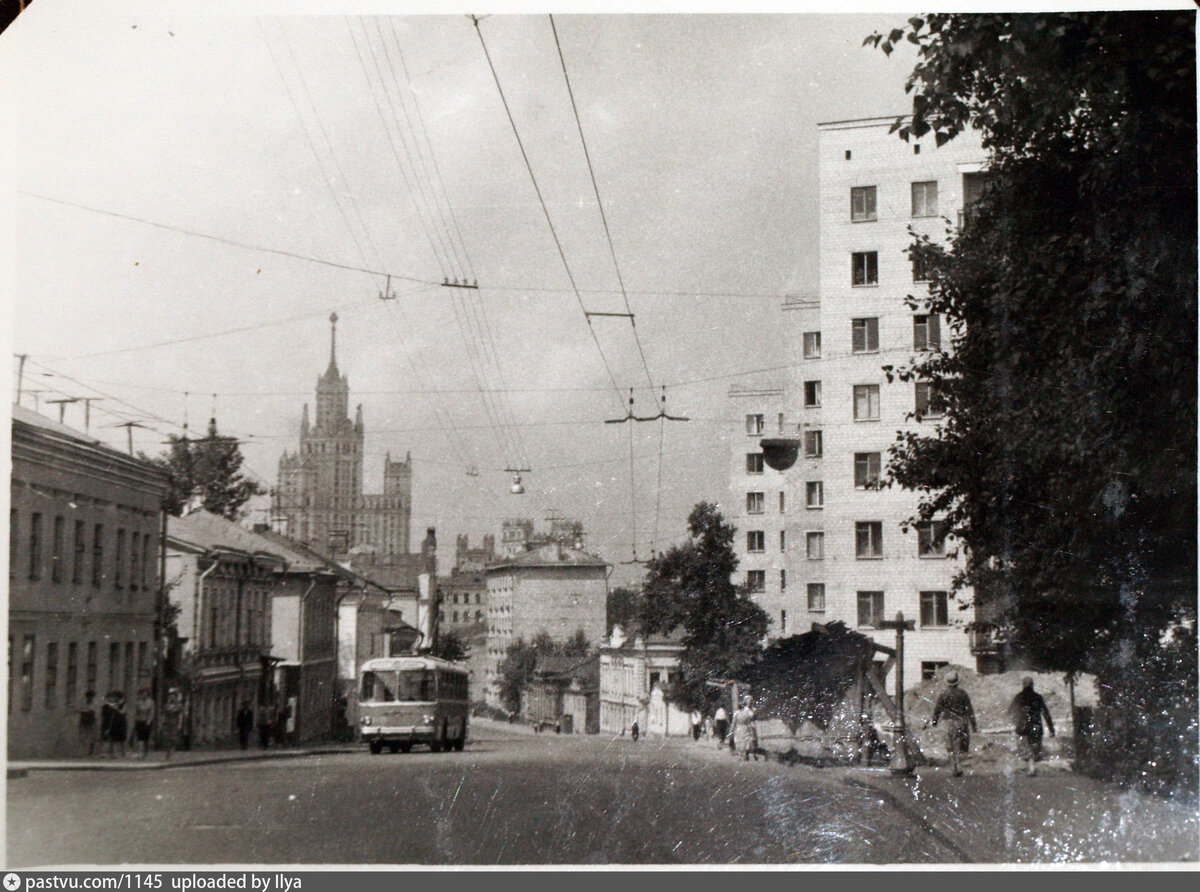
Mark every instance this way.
x=48 y=431
x=559 y=668
x=207 y=531
x=552 y=554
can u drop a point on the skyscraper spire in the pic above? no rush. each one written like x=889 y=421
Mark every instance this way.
x=333 y=317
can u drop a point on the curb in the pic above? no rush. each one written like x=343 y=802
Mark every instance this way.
x=25 y=768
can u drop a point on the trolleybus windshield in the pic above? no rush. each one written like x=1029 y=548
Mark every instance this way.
x=410 y=685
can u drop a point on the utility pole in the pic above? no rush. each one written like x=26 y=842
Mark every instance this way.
x=62 y=406
x=901 y=759
x=20 y=374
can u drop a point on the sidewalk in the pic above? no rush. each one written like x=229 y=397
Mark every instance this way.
x=157 y=760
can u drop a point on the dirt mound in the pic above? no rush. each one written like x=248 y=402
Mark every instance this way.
x=992 y=694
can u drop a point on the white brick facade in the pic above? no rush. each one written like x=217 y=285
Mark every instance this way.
x=868 y=202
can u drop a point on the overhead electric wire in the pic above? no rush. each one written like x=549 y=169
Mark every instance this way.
x=549 y=222
x=441 y=255
x=612 y=251
x=226 y=241
x=425 y=181
x=433 y=155
x=308 y=137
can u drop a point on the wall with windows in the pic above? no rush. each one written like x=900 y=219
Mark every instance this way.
x=855 y=560
x=84 y=546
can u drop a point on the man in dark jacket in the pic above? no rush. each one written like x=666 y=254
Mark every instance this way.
x=955 y=707
x=1027 y=710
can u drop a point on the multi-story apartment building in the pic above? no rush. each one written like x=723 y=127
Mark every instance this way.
x=319 y=501
x=85 y=532
x=850 y=554
x=758 y=508
x=553 y=589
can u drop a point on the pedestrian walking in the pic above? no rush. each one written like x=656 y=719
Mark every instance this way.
x=721 y=725
x=118 y=723
x=266 y=724
x=172 y=724
x=634 y=732
x=143 y=721
x=954 y=706
x=245 y=724
x=696 y=719
x=744 y=732
x=1027 y=710
x=88 y=724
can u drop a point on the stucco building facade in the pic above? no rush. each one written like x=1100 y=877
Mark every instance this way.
x=85 y=527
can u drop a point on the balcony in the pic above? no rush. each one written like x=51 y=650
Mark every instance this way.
x=984 y=639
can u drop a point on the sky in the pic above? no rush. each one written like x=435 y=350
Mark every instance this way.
x=190 y=196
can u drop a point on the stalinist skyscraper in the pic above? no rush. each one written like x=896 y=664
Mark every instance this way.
x=319 y=499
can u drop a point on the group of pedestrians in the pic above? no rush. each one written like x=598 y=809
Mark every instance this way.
x=104 y=728
x=1028 y=708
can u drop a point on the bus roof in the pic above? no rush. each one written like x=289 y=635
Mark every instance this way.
x=396 y=664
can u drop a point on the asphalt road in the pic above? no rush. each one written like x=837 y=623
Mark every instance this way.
x=509 y=799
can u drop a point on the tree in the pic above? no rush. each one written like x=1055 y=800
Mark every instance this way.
x=211 y=464
x=624 y=609
x=1066 y=464
x=691 y=586
x=521 y=660
x=450 y=647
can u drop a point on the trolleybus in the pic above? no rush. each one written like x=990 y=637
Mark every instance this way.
x=412 y=699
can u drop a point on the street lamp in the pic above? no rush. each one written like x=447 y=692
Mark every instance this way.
x=901 y=760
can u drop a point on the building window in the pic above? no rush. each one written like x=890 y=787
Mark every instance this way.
x=783 y=541
x=51 y=674
x=756 y=540
x=754 y=425
x=812 y=345
x=134 y=542
x=934 y=610
x=145 y=559
x=868 y=539
x=119 y=560
x=72 y=673
x=866 y=402
x=866 y=470
x=783 y=580
x=35 y=546
x=815 y=546
x=781 y=503
x=927 y=333
x=924 y=199
x=864 y=268
x=814 y=494
x=56 y=554
x=89 y=678
x=756 y=580
x=98 y=554
x=13 y=539
x=27 y=649
x=862 y=203
x=812 y=444
x=755 y=502
x=816 y=597
x=130 y=689
x=931 y=538
x=929 y=403
x=754 y=463
x=870 y=609
x=864 y=335
x=812 y=394
x=921 y=269
x=931 y=668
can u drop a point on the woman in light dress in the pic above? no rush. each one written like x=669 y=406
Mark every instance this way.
x=745 y=734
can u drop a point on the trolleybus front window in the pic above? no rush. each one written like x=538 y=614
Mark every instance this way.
x=379 y=687
x=415 y=685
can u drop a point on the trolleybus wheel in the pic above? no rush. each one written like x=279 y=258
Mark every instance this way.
x=406 y=747
x=376 y=747
x=394 y=747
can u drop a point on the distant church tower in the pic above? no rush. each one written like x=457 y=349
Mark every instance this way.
x=318 y=499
